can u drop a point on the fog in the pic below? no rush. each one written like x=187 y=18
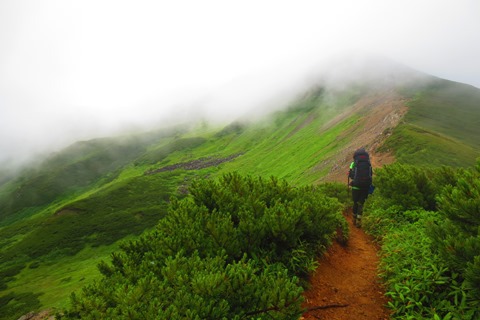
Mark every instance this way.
x=74 y=70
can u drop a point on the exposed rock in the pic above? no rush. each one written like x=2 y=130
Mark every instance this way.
x=41 y=315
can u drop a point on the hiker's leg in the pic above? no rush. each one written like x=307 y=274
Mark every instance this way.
x=358 y=217
x=356 y=197
x=355 y=212
x=362 y=196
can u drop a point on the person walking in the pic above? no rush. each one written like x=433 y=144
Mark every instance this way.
x=360 y=179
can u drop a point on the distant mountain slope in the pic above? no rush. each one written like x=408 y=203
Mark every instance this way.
x=449 y=108
x=315 y=139
x=74 y=170
x=441 y=127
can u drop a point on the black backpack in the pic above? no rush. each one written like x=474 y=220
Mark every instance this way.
x=362 y=171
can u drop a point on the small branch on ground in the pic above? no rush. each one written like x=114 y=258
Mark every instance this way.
x=328 y=306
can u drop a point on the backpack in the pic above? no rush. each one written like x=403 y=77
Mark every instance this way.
x=362 y=170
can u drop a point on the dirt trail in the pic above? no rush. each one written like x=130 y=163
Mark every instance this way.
x=347 y=282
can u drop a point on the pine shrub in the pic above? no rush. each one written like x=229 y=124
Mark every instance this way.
x=236 y=248
x=407 y=186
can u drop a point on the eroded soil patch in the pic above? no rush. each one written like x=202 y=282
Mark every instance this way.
x=379 y=115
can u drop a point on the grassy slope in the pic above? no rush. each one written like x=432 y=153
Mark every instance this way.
x=441 y=128
x=60 y=251
x=293 y=157
x=292 y=144
x=68 y=173
x=449 y=108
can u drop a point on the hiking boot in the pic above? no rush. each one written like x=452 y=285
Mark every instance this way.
x=358 y=221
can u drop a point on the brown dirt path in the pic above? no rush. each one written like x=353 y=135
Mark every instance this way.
x=347 y=281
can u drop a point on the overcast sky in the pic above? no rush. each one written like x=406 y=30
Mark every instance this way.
x=77 y=69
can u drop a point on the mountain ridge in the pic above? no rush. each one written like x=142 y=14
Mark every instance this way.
x=310 y=142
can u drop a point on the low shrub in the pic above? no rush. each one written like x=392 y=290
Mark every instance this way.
x=235 y=248
x=13 y=305
x=430 y=258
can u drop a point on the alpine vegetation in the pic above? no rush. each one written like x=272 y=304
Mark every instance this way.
x=428 y=223
x=236 y=247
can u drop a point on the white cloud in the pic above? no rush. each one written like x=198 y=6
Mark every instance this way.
x=73 y=69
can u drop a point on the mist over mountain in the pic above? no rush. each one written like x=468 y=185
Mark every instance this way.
x=247 y=97
x=73 y=71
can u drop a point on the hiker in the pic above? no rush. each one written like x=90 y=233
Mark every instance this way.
x=360 y=179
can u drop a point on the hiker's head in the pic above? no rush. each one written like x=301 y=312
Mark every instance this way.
x=360 y=150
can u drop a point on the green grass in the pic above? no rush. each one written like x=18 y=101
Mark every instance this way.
x=293 y=157
x=290 y=145
x=125 y=208
x=419 y=146
x=441 y=127
x=48 y=284
x=159 y=153
x=449 y=108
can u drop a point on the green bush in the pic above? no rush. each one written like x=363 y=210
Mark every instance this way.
x=8 y=271
x=430 y=260
x=13 y=305
x=407 y=186
x=234 y=249
x=457 y=235
x=270 y=218
x=336 y=190
x=191 y=287
x=419 y=282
